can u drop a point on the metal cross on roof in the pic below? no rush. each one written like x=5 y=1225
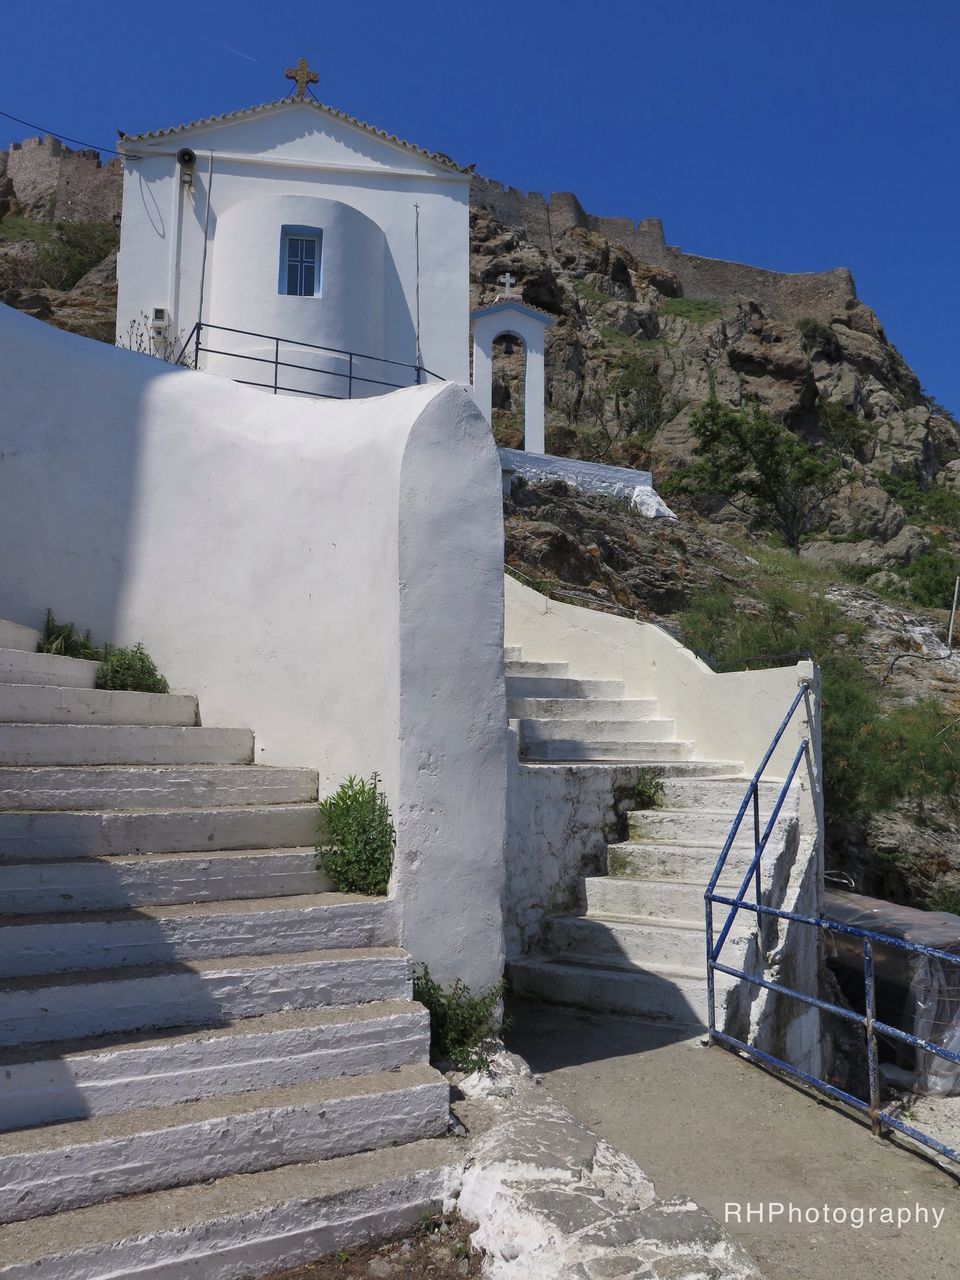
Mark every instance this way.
x=508 y=281
x=303 y=76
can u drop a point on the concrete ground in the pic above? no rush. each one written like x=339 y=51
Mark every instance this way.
x=705 y=1123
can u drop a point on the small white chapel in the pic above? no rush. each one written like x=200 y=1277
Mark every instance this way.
x=294 y=247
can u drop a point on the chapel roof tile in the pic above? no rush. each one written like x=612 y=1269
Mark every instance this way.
x=244 y=113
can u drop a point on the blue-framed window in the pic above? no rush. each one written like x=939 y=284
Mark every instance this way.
x=301 y=261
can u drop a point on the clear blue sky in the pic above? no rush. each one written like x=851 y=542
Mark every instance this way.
x=796 y=136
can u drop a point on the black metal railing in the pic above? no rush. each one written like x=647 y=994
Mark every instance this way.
x=342 y=375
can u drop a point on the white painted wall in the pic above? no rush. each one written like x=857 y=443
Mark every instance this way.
x=328 y=573
x=304 y=163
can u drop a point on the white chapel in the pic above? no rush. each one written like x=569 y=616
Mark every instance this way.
x=251 y=238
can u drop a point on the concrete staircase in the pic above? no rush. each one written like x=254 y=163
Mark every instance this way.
x=560 y=717
x=189 y=1019
x=637 y=945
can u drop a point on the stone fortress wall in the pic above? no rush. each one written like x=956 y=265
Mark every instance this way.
x=783 y=295
x=50 y=179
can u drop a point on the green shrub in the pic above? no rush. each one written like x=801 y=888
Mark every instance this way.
x=358 y=837
x=64 y=639
x=817 y=336
x=931 y=577
x=73 y=250
x=697 y=310
x=871 y=757
x=648 y=792
x=131 y=669
x=459 y=1020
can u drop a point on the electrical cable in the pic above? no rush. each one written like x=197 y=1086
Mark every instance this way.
x=61 y=136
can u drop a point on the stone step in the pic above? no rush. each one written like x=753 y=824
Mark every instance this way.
x=626 y=773
x=649 y=729
x=74 y=941
x=647 y=942
x=42 y=745
x=681 y=826
x=14 y=636
x=54 y=704
x=197 y=994
x=582 y=708
x=76 y=1079
x=49 y=1169
x=25 y=836
x=674 y=994
x=693 y=863
x=19 y=667
x=667 y=900
x=562 y=687
x=512 y=653
x=520 y=667
x=717 y=795
x=162 y=879
x=152 y=787
x=641 y=752
x=239 y=1227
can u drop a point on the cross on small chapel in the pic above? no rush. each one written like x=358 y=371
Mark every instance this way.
x=303 y=76
x=508 y=281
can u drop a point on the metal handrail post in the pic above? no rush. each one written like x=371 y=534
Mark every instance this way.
x=350 y=377
x=276 y=364
x=196 y=349
x=873 y=1063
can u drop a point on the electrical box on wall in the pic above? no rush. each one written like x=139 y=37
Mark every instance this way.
x=160 y=321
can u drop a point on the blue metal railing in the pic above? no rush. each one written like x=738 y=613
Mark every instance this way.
x=881 y=1120
x=353 y=374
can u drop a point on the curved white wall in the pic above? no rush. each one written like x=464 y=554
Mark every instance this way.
x=329 y=574
x=357 y=274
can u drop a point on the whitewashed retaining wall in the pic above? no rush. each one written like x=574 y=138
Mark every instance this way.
x=633 y=487
x=329 y=574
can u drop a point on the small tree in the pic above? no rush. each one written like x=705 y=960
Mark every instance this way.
x=762 y=469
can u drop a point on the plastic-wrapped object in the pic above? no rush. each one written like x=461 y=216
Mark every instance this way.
x=930 y=985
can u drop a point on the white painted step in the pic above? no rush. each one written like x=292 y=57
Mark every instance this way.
x=519 y=667
x=54 y=704
x=562 y=687
x=89 y=1161
x=674 y=994
x=15 y=636
x=239 y=1227
x=647 y=942
x=28 y=835
x=718 y=795
x=582 y=708
x=89 y=1078
x=42 y=745
x=668 y=900
x=642 y=752
x=153 y=787
x=198 y=994
x=649 y=729
x=63 y=943
x=693 y=863
x=512 y=653
x=162 y=879
x=678 y=826
x=19 y=667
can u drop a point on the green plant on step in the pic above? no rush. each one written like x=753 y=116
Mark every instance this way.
x=460 y=1021
x=648 y=791
x=63 y=639
x=357 y=837
x=130 y=669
